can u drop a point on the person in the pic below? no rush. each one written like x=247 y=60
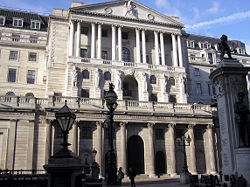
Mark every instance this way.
x=120 y=175
x=132 y=175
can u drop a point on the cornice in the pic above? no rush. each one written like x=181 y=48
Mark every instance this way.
x=94 y=14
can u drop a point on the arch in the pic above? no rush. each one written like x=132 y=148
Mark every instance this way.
x=107 y=76
x=85 y=74
x=160 y=163
x=125 y=54
x=10 y=94
x=136 y=154
x=130 y=88
x=29 y=95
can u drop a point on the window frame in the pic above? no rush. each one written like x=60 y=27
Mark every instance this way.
x=83 y=53
x=152 y=79
x=2 y=17
x=33 y=38
x=9 y=78
x=85 y=76
x=198 y=89
x=32 y=79
x=190 y=43
x=30 y=59
x=17 y=56
x=18 y=21
x=36 y=22
x=86 y=91
x=107 y=76
x=15 y=38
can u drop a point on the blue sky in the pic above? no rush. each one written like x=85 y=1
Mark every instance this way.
x=202 y=17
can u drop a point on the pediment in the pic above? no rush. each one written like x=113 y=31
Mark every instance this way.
x=128 y=9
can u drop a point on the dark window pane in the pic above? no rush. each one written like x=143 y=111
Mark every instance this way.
x=12 y=75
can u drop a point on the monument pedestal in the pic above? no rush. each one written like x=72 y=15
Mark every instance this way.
x=230 y=83
x=63 y=171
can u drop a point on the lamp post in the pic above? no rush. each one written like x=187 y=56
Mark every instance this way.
x=185 y=175
x=65 y=118
x=111 y=170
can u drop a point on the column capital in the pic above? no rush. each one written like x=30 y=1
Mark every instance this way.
x=123 y=123
x=191 y=125
x=119 y=26
x=138 y=28
x=151 y=125
x=99 y=123
x=171 y=125
x=210 y=126
x=156 y=32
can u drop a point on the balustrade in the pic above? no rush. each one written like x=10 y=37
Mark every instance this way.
x=98 y=104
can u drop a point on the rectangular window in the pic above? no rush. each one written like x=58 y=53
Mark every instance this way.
x=159 y=134
x=15 y=38
x=12 y=75
x=84 y=53
x=32 y=57
x=86 y=132
x=104 y=33
x=33 y=39
x=125 y=35
x=192 y=57
x=196 y=72
x=13 y=55
x=31 y=77
x=105 y=55
x=85 y=93
x=84 y=30
x=17 y=22
x=172 y=98
x=190 y=44
x=2 y=20
x=198 y=89
x=35 y=24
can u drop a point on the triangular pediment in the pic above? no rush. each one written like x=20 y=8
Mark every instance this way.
x=128 y=9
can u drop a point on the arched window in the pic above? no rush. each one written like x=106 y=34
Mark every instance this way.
x=107 y=76
x=125 y=54
x=85 y=74
x=29 y=94
x=152 y=79
x=10 y=94
x=172 y=81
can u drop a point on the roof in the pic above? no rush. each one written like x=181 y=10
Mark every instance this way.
x=26 y=16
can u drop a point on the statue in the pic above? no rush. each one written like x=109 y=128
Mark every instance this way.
x=74 y=76
x=97 y=77
x=224 y=47
x=241 y=115
x=130 y=8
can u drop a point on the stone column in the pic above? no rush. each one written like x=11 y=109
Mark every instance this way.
x=99 y=52
x=180 y=51
x=172 y=149
x=78 y=39
x=11 y=144
x=48 y=139
x=211 y=149
x=156 y=48
x=192 y=149
x=93 y=42
x=151 y=150
x=99 y=145
x=113 y=42
x=123 y=146
x=162 y=49
x=144 y=56
x=30 y=143
x=120 y=43
x=175 y=60
x=138 y=47
x=71 y=38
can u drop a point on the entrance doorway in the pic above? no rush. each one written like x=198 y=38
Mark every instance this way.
x=136 y=154
x=160 y=163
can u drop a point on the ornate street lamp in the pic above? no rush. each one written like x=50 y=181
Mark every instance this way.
x=111 y=170
x=65 y=119
x=185 y=175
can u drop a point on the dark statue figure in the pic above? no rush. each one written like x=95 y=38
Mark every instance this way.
x=242 y=111
x=224 y=47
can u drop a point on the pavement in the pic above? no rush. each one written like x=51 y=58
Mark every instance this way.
x=155 y=182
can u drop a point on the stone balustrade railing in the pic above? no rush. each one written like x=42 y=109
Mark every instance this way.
x=79 y=60
x=80 y=103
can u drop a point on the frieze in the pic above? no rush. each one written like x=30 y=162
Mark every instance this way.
x=220 y=87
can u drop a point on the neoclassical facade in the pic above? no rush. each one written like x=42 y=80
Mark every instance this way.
x=78 y=52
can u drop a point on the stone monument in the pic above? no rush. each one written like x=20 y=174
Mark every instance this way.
x=233 y=112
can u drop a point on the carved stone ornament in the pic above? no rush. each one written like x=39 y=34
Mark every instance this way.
x=108 y=10
x=151 y=17
x=220 y=91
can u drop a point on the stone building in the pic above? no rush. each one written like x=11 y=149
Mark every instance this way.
x=73 y=55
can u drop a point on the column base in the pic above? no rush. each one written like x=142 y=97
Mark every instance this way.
x=152 y=175
x=173 y=174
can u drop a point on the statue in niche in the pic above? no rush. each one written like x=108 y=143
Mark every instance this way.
x=241 y=115
x=97 y=77
x=224 y=47
x=74 y=76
